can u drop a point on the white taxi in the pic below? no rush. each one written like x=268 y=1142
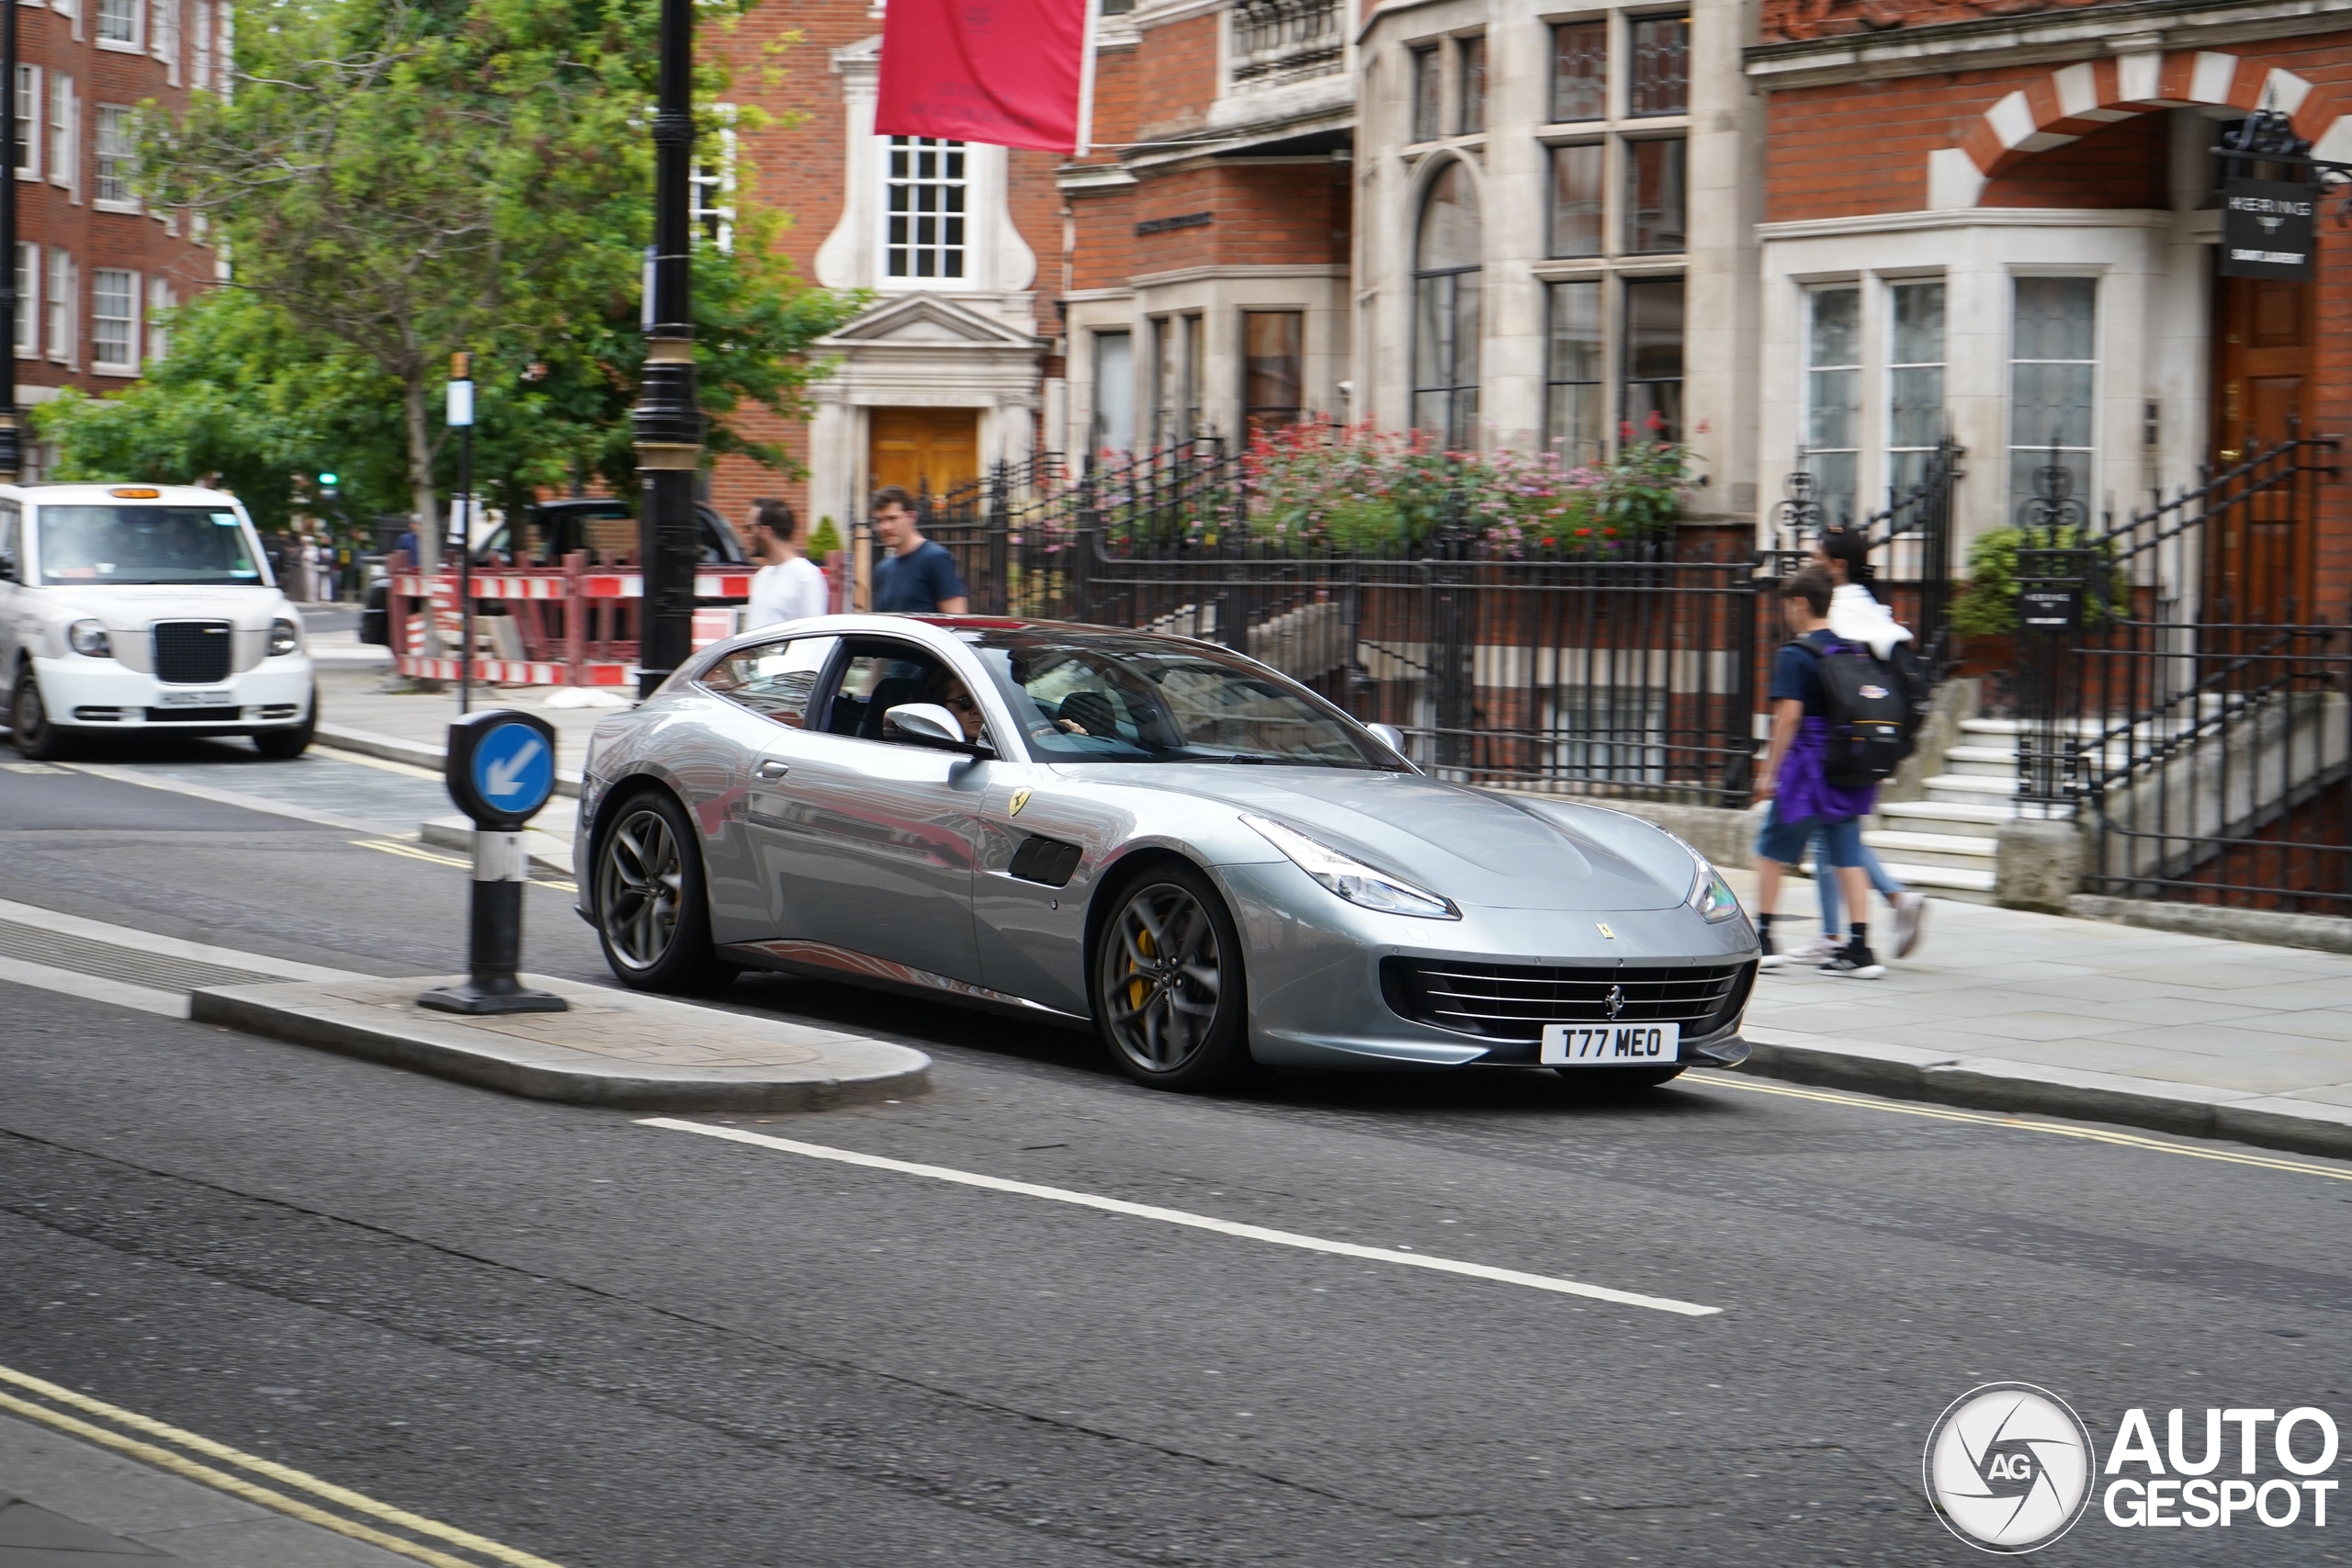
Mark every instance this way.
x=147 y=608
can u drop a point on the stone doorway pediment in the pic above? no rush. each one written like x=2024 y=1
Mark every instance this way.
x=928 y=320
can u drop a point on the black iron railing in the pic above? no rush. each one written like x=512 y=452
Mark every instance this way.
x=1910 y=537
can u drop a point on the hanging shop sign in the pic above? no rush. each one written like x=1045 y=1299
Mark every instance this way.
x=2268 y=228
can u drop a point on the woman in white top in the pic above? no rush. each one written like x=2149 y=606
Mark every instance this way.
x=788 y=586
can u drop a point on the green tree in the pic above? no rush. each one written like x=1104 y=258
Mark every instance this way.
x=392 y=180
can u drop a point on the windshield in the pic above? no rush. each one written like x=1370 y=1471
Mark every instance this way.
x=144 y=545
x=1108 y=697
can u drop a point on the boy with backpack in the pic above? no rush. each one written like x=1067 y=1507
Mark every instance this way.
x=1838 y=728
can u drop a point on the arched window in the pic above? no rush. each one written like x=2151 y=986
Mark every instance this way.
x=1447 y=252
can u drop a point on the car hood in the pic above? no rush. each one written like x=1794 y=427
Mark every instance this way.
x=134 y=609
x=1473 y=846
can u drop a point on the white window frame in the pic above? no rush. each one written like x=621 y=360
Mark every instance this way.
x=137 y=42
x=72 y=11
x=28 y=298
x=200 y=44
x=714 y=190
x=63 y=330
x=164 y=32
x=1889 y=453
x=1857 y=369
x=2036 y=454
x=161 y=297
x=132 y=286
x=126 y=155
x=29 y=85
x=65 y=141
x=225 y=48
x=969 y=248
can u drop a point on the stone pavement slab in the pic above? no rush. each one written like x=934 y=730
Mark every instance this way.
x=2026 y=1012
x=613 y=1048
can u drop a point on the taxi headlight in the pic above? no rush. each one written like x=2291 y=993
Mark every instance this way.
x=285 y=637
x=89 y=640
x=1352 y=879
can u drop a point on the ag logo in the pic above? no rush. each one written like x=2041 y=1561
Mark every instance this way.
x=2008 y=1467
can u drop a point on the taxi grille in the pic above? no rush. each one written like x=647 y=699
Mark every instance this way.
x=1513 y=1002
x=192 y=653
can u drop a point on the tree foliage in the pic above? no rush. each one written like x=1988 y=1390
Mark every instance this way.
x=395 y=179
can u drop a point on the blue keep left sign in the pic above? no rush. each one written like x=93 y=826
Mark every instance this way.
x=513 y=769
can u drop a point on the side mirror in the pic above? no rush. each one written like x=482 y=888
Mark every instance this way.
x=927 y=724
x=1389 y=735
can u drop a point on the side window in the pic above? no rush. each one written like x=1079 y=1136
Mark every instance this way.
x=773 y=680
x=8 y=530
x=878 y=676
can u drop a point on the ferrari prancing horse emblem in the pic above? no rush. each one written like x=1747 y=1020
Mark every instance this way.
x=1020 y=799
x=1602 y=924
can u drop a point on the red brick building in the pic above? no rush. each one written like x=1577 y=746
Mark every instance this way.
x=94 y=268
x=2010 y=220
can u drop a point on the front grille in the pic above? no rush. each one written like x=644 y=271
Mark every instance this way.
x=1514 y=1002
x=195 y=715
x=192 y=653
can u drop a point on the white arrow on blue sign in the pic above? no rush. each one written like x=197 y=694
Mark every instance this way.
x=513 y=769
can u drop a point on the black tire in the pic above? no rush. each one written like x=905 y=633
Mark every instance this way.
x=1621 y=1081
x=285 y=745
x=28 y=725
x=1178 y=1022
x=652 y=909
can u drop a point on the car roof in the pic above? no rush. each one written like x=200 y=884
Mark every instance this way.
x=108 y=493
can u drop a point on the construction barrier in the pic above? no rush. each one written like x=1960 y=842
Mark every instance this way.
x=564 y=626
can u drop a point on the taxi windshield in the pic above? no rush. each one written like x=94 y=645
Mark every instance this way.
x=135 y=545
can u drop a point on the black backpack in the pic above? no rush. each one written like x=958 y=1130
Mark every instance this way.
x=1871 y=717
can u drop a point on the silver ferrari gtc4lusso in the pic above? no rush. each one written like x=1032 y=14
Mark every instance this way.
x=1206 y=859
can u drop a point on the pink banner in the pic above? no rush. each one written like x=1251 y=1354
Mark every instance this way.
x=1004 y=71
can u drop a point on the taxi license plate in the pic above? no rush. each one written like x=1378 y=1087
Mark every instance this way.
x=1611 y=1045
x=219 y=697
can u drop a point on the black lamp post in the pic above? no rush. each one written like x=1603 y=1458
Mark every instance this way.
x=11 y=439
x=669 y=415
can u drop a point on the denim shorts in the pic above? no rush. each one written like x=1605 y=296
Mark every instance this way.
x=1785 y=841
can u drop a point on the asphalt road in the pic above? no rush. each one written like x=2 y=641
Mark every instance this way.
x=613 y=1344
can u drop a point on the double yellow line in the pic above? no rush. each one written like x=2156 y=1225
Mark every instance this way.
x=37 y=1399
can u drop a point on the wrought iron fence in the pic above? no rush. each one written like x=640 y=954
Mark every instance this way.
x=1606 y=674
x=2182 y=697
x=1910 y=539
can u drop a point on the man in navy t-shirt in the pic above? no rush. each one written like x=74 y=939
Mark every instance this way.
x=917 y=577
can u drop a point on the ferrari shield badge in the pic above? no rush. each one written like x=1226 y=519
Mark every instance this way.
x=1020 y=799
x=1606 y=933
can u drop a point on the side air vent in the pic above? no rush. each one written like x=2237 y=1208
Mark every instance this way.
x=1048 y=861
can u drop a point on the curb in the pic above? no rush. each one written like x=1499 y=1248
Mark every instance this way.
x=457 y=833
x=614 y=1050
x=415 y=753
x=1985 y=1083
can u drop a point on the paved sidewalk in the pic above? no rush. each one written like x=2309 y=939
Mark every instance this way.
x=354 y=698
x=2077 y=1018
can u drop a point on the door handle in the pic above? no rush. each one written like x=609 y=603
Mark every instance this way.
x=771 y=768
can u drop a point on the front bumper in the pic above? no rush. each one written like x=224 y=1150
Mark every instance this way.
x=1315 y=991
x=93 y=694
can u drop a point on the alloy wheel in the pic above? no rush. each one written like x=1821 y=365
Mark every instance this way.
x=640 y=883
x=1161 y=977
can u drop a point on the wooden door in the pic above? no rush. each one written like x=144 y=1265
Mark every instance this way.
x=2263 y=380
x=914 y=448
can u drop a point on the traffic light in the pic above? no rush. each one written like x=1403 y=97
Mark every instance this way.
x=328 y=484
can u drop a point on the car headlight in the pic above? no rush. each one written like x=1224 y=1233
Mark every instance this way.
x=1352 y=879
x=89 y=638
x=1711 y=895
x=285 y=637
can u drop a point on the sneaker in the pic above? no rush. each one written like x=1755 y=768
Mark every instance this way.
x=1910 y=919
x=1815 y=947
x=1855 y=962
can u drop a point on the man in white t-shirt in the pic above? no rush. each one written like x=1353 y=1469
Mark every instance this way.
x=788 y=586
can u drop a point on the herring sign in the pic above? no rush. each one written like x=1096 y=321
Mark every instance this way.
x=2268 y=228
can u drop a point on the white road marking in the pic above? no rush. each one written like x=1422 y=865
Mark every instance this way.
x=1196 y=1222
x=223 y=797
x=164 y=946
x=94 y=987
